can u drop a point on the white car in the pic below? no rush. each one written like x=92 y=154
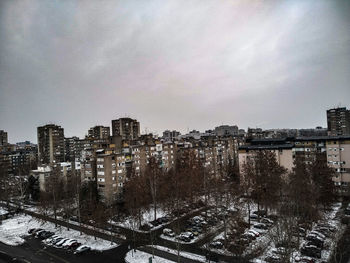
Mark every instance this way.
x=49 y=240
x=256 y=233
x=69 y=242
x=82 y=249
x=168 y=232
x=59 y=244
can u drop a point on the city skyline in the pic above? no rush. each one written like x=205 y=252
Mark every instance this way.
x=172 y=64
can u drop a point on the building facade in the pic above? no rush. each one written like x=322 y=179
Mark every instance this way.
x=99 y=132
x=338 y=121
x=127 y=128
x=3 y=138
x=51 y=145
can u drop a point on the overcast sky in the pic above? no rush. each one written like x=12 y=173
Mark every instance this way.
x=171 y=64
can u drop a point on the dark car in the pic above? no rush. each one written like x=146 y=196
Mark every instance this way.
x=30 y=231
x=36 y=230
x=260 y=213
x=315 y=240
x=261 y=226
x=45 y=234
x=311 y=251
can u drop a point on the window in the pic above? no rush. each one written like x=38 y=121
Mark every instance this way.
x=100 y=179
x=100 y=173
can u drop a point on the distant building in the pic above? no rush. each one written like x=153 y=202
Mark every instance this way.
x=318 y=131
x=3 y=138
x=50 y=144
x=338 y=121
x=337 y=149
x=127 y=128
x=99 y=132
x=226 y=130
x=171 y=134
x=255 y=133
x=73 y=147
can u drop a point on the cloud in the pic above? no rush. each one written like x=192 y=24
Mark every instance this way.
x=171 y=64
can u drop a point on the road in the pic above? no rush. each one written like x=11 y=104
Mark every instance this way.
x=35 y=252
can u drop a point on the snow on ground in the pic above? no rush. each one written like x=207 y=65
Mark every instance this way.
x=13 y=231
x=142 y=257
x=3 y=211
x=183 y=253
x=147 y=216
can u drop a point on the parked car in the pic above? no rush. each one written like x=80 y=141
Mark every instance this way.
x=49 y=240
x=273 y=258
x=45 y=234
x=311 y=251
x=216 y=244
x=307 y=260
x=30 y=231
x=260 y=213
x=261 y=226
x=183 y=237
x=190 y=234
x=60 y=243
x=249 y=236
x=68 y=243
x=74 y=245
x=36 y=230
x=254 y=217
x=197 y=229
x=168 y=232
x=82 y=249
x=315 y=240
x=57 y=240
x=38 y=233
x=314 y=232
x=256 y=233
x=267 y=221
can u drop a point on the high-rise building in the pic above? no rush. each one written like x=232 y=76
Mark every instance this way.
x=3 y=138
x=99 y=132
x=167 y=134
x=338 y=121
x=50 y=144
x=127 y=128
x=226 y=130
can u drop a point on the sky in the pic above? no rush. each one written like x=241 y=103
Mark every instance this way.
x=181 y=64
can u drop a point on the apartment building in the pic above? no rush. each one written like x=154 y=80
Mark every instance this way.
x=282 y=148
x=50 y=144
x=127 y=128
x=3 y=138
x=65 y=169
x=110 y=175
x=337 y=149
x=226 y=130
x=99 y=132
x=171 y=135
x=338 y=157
x=338 y=121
